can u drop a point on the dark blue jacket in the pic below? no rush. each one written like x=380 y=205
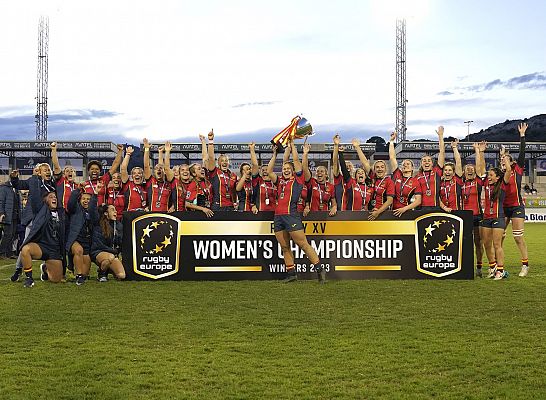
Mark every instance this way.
x=77 y=216
x=100 y=242
x=43 y=187
x=9 y=203
x=41 y=213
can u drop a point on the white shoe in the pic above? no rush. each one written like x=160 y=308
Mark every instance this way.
x=524 y=271
x=491 y=273
x=500 y=275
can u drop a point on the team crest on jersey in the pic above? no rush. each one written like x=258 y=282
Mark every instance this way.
x=156 y=243
x=439 y=241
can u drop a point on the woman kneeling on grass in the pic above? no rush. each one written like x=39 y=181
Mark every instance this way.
x=288 y=224
x=45 y=240
x=106 y=243
x=493 y=224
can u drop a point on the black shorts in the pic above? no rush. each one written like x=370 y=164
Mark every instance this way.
x=514 y=212
x=289 y=223
x=86 y=246
x=50 y=253
x=96 y=253
x=476 y=220
x=493 y=223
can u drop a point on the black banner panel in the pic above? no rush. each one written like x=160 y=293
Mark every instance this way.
x=240 y=246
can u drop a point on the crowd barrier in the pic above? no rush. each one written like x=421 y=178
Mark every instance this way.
x=240 y=246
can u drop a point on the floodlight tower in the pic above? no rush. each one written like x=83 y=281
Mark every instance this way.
x=41 y=91
x=401 y=79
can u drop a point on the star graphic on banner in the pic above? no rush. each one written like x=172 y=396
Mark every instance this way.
x=146 y=231
x=437 y=223
x=429 y=230
x=449 y=240
x=167 y=241
x=155 y=224
x=158 y=249
x=440 y=247
x=424 y=239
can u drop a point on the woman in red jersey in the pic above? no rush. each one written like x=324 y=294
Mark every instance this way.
x=133 y=188
x=244 y=188
x=303 y=200
x=358 y=190
x=321 y=192
x=514 y=208
x=264 y=192
x=493 y=223
x=223 y=181
x=451 y=182
x=199 y=190
x=159 y=186
x=115 y=196
x=471 y=194
x=288 y=224
x=429 y=176
x=407 y=191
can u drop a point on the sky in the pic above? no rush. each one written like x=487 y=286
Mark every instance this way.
x=170 y=70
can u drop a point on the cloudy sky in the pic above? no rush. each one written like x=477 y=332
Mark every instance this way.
x=122 y=70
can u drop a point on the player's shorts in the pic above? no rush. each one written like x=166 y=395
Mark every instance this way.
x=493 y=223
x=289 y=223
x=476 y=220
x=514 y=212
x=49 y=253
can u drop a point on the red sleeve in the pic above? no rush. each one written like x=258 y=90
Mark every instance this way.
x=458 y=180
x=331 y=190
x=417 y=186
x=191 y=193
x=338 y=179
x=149 y=182
x=436 y=169
x=517 y=169
x=300 y=178
x=396 y=174
x=480 y=181
x=106 y=178
x=389 y=187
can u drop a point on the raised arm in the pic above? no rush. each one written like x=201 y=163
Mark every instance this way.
x=521 y=157
x=507 y=169
x=457 y=157
x=211 y=162
x=254 y=168
x=55 y=159
x=169 y=173
x=361 y=156
x=204 y=152
x=343 y=165
x=305 y=162
x=125 y=164
x=286 y=155
x=147 y=168
x=442 y=154
x=297 y=164
x=117 y=161
x=392 y=153
x=335 y=156
x=479 y=149
x=271 y=165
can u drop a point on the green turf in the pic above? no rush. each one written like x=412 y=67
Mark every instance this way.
x=253 y=340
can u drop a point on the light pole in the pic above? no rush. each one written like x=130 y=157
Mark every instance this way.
x=468 y=129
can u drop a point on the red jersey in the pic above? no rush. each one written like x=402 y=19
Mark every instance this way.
x=303 y=197
x=288 y=194
x=179 y=194
x=493 y=208
x=264 y=194
x=91 y=187
x=513 y=187
x=223 y=187
x=471 y=194
x=159 y=194
x=405 y=187
x=135 y=196
x=429 y=182
x=383 y=188
x=450 y=192
x=116 y=198
x=199 y=193
x=321 y=195
x=64 y=190
x=359 y=195
x=341 y=193
x=245 y=197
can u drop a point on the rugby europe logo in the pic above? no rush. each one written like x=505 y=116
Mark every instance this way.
x=156 y=243
x=439 y=244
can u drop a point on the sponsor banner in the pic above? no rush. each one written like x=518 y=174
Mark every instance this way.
x=541 y=165
x=66 y=146
x=259 y=147
x=512 y=147
x=535 y=215
x=535 y=202
x=238 y=246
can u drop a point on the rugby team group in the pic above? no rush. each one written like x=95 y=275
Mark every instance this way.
x=69 y=224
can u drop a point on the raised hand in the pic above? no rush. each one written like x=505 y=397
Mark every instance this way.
x=146 y=143
x=129 y=150
x=393 y=137
x=482 y=146
x=252 y=146
x=168 y=146
x=522 y=128
x=355 y=142
x=14 y=173
x=455 y=144
x=120 y=147
x=53 y=146
x=161 y=148
x=202 y=138
x=211 y=135
x=337 y=139
x=306 y=148
x=440 y=131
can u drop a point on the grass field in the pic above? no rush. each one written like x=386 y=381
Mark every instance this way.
x=478 y=339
